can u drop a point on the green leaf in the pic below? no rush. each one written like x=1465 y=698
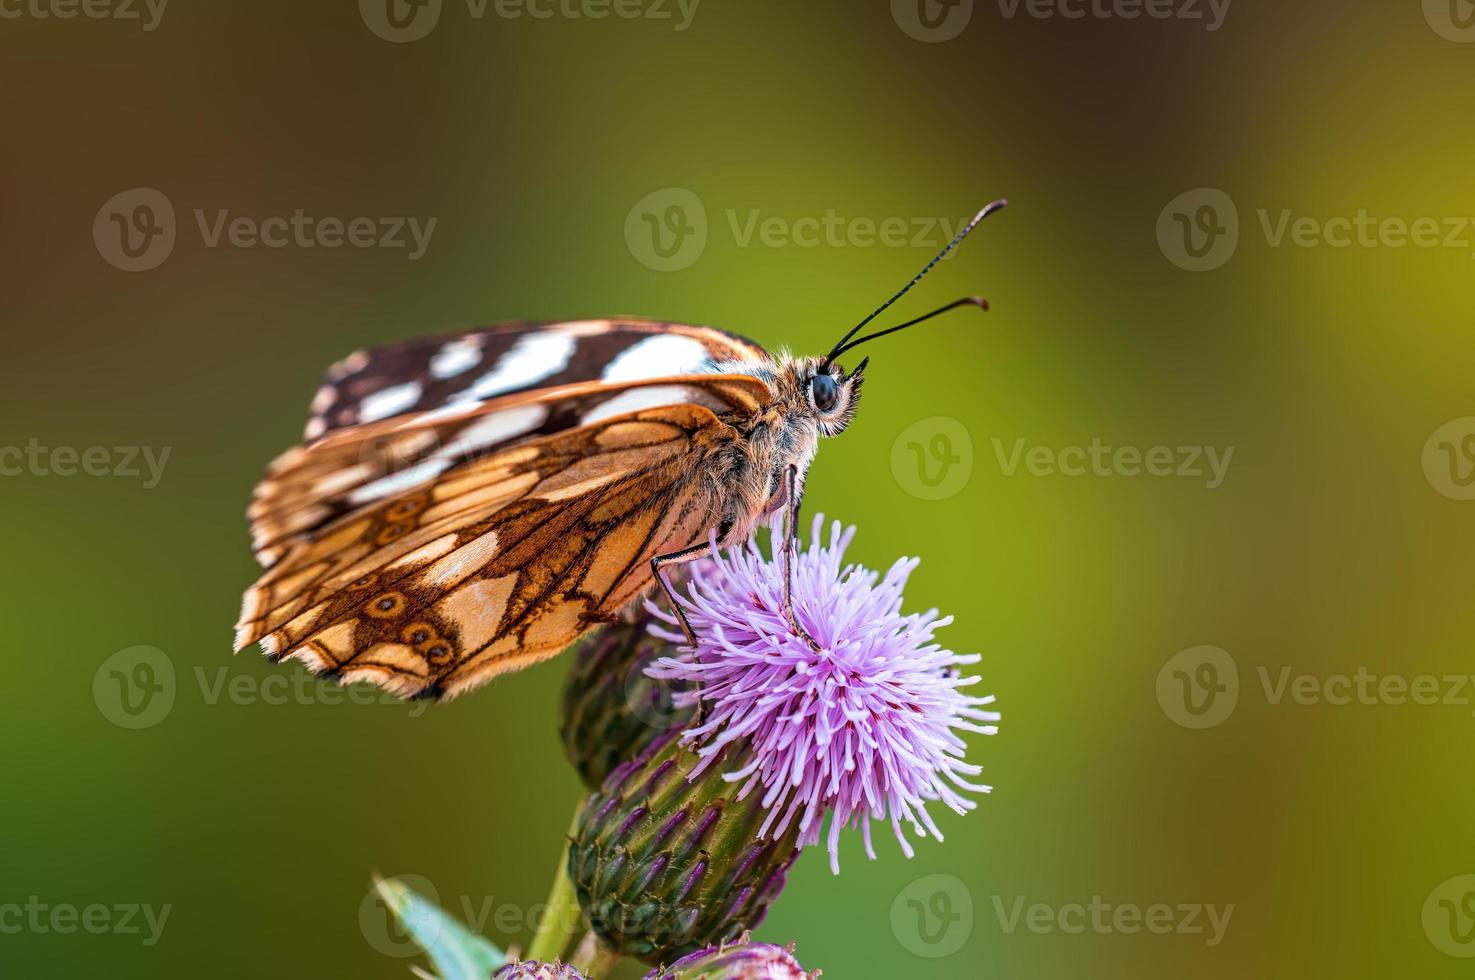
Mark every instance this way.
x=454 y=951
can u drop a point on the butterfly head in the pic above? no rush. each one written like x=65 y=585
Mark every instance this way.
x=826 y=392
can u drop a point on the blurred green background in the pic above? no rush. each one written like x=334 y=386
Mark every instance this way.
x=1338 y=538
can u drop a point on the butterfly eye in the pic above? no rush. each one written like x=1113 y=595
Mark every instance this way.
x=824 y=392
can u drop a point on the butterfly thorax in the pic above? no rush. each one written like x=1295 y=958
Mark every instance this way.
x=750 y=467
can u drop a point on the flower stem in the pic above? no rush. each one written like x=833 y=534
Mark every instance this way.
x=561 y=916
x=593 y=958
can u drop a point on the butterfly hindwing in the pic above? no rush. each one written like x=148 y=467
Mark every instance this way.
x=500 y=561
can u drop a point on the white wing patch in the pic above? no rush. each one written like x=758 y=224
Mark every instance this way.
x=656 y=356
x=492 y=430
x=390 y=401
x=456 y=357
x=405 y=479
x=495 y=428
x=534 y=357
x=636 y=399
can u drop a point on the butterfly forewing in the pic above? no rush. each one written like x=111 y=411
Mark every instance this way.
x=309 y=487
x=493 y=362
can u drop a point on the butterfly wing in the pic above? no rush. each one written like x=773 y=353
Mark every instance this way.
x=501 y=560
x=434 y=402
x=493 y=362
x=311 y=486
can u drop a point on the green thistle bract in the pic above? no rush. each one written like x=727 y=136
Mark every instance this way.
x=664 y=865
x=611 y=709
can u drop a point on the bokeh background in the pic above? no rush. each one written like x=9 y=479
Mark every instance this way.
x=1338 y=538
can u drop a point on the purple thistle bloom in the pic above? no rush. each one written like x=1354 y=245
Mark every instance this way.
x=743 y=960
x=867 y=728
x=533 y=970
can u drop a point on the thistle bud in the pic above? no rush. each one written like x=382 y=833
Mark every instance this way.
x=532 y=970
x=665 y=864
x=611 y=710
x=743 y=960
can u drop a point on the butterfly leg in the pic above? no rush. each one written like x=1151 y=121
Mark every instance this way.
x=659 y=562
x=792 y=498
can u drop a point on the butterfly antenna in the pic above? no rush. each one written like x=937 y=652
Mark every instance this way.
x=977 y=301
x=843 y=345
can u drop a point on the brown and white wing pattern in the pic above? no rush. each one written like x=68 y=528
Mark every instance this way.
x=492 y=362
x=313 y=485
x=500 y=561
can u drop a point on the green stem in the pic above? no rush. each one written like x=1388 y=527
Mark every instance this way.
x=561 y=917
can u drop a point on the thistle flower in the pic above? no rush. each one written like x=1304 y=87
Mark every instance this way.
x=866 y=728
x=611 y=709
x=532 y=970
x=744 y=960
x=664 y=865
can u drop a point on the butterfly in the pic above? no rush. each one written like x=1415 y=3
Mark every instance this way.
x=467 y=505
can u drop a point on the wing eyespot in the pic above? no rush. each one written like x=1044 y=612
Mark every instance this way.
x=387 y=606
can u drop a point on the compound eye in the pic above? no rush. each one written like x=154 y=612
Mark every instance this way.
x=823 y=390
